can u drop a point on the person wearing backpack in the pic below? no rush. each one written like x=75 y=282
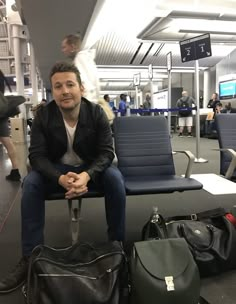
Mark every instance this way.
x=185 y=114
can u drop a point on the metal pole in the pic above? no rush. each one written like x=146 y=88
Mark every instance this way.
x=136 y=97
x=152 y=95
x=17 y=56
x=169 y=101
x=151 y=91
x=33 y=76
x=197 y=117
x=42 y=88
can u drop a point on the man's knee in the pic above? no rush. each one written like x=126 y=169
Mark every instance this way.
x=112 y=173
x=33 y=178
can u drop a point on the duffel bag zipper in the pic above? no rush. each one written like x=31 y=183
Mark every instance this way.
x=80 y=264
x=110 y=270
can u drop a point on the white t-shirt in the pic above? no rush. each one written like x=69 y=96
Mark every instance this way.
x=70 y=157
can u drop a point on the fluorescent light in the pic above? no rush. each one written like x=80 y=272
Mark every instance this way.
x=201 y=25
x=103 y=20
x=216 y=6
x=119 y=84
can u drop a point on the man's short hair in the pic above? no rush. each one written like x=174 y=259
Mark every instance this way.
x=123 y=96
x=73 y=39
x=63 y=66
x=105 y=96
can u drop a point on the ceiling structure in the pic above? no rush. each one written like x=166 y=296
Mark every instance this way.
x=129 y=35
x=48 y=22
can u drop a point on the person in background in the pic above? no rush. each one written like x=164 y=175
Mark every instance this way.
x=185 y=114
x=5 y=137
x=106 y=97
x=141 y=112
x=219 y=108
x=38 y=106
x=107 y=109
x=212 y=124
x=228 y=108
x=71 y=151
x=147 y=104
x=84 y=61
x=213 y=102
x=122 y=104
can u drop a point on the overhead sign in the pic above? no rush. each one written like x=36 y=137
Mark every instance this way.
x=150 y=72
x=136 y=79
x=169 y=61
x=160 y=100
x=195 y=48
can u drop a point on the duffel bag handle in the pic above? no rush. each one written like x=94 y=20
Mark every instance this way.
x=194 y=246
x=213 y=213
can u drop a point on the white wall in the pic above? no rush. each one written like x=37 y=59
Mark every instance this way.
x=224 y=69
x=186 y=81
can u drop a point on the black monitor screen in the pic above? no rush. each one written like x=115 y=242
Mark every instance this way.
x=227 y=89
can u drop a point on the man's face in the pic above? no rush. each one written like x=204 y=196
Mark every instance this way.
x=67 y=49
x=213 y=96
x=66 y=90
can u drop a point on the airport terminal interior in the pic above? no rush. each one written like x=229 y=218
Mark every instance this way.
x=138 y=54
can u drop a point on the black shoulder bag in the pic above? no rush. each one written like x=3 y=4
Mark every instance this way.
x=165 y=266
x=211 y=238
x=163 y=269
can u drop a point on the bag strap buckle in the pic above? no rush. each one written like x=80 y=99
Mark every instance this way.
x=193 y=217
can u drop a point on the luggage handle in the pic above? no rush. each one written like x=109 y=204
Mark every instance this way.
x=214 y=213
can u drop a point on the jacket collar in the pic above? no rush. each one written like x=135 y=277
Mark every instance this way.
x=83 y=113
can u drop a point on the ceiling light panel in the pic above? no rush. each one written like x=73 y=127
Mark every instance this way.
x=202 y=25
x=226 y=6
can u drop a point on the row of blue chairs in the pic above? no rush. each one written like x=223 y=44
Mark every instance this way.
x=145 y=159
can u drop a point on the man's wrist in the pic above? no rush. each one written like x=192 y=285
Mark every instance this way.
x=60 y=179
x=87 y=175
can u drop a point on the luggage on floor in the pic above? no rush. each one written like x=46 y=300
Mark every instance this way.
x=163 y=271
x=211 y=237
x=82 y=273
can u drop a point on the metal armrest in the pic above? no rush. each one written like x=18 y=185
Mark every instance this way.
x=191 y=158
x=232 y=164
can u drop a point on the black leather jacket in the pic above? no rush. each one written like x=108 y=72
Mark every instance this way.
x=93 y=140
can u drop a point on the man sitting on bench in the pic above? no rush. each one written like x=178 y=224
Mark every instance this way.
x=71 y=150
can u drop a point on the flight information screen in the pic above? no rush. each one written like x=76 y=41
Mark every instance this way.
x=227 y=89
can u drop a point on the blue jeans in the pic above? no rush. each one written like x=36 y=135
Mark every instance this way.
x=36 y=187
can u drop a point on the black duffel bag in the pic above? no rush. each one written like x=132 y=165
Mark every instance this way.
x=211 y=238
x=82 y=273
